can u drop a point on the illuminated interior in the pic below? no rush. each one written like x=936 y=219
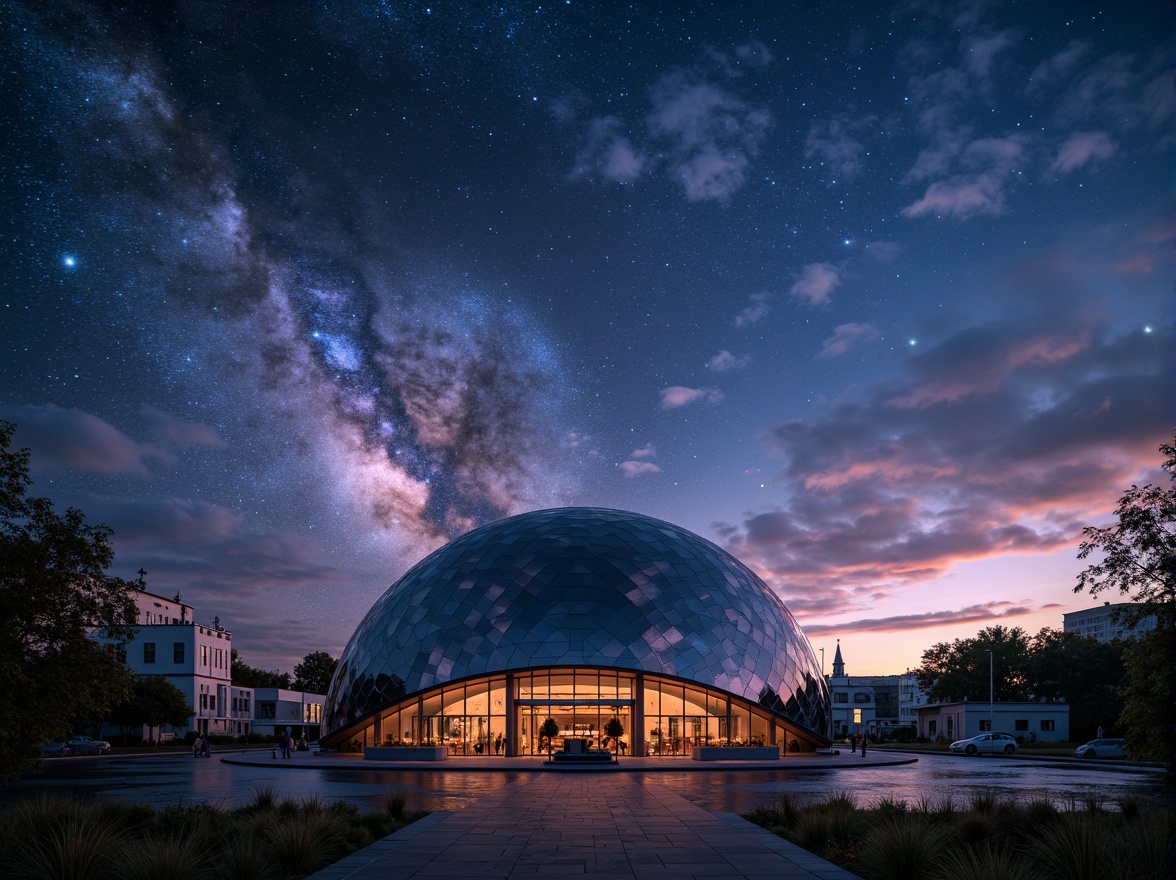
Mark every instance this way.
x=502 y=716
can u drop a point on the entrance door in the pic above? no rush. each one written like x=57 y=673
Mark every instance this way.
x=576 y=721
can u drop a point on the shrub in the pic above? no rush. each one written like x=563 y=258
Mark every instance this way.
x=986 y=862
x=77 y=848
x=1131 y=806
x=1072 y=849
x=813 y=830
x=984 y=800
x=243 y=859
x=176 y=857
x=889 y=805
x=842 y=800
x=395 y=802
x=303 y=843
x=902 y=848
x=264 y=797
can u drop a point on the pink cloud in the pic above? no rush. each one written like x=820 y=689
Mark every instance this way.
x=758 y=310
x=845 y=337
x=817 y=282
x=679 y=395
x=179 y=434
x=1083 y=148
x=976 y=614
x=646 y=451
x=638 y=468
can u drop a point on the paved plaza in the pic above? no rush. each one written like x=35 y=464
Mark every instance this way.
x=599 y=825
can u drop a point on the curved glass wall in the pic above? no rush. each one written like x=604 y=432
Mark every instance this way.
x=502 y=715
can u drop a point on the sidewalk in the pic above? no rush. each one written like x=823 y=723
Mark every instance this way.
x=603 y=826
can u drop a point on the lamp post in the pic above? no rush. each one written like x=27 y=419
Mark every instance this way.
x=991 y=711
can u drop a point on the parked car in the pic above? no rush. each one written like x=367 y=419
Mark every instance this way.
x=1101 y=748
x=56 y=750
x=986 y=742
x=87 y=745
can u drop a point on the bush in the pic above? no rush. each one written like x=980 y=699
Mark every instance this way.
x=78 y=848
x=178 y=857
x=301 y=844
x=902 y=848
x=395 y=802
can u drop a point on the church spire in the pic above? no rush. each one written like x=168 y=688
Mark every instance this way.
x=838 y=663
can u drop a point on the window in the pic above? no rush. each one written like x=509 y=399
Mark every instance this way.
x=861 y=698
x=212 y=702
x=931 y=727
x=1047 y=724
x=986 y=724
x=149 y=652
x=177 y=652
x=204 y=701
x=841 y=698
x=1021 y=724
x=204 y=655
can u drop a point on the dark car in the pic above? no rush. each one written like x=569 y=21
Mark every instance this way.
x=87 y=745
x=56 y=750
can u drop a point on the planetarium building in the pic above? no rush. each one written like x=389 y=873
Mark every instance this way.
x=582 y=616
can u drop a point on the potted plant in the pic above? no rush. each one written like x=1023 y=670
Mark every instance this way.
x=548 y=729
x=614 y=730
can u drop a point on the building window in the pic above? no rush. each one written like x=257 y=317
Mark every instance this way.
x=212 y=702
x=1047 y=724
x=149 y=652
x=204 y=701
x=861 y=698
x=986 y=725
x=841 y=698
x=1021 y=724
x=177 y=652
x=204 y=655
x=931 y=727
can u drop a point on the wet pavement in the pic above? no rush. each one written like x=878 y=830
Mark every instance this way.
x=179 y=778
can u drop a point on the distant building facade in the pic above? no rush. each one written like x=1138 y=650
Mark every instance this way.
x=1030 y=722
x=278 y=711
x=1100 y=622
x=881 y=703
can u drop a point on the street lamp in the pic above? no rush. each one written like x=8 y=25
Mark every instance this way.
x=991 y=712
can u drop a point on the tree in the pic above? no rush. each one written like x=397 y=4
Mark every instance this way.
x=314 y=673
x=1139 y=551
x=248 y=676
x=959 y=670
x=547 y=730
x=1138 y=558
x=54 y=596
x=1086 y=673
x=153 y=701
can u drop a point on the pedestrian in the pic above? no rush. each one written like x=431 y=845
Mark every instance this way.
x=289 y=747
x=864 y=738
x=853 y=743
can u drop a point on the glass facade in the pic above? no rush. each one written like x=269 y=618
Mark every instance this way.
x=580 y=615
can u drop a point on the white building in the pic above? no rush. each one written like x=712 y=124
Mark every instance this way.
x=854 y=704
x=1030 y=722
x=292 y=713
x=910 y=698
x=1099 y=623
x=196 y=658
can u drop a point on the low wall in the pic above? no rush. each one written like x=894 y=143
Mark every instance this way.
x=735 y=753
x=405 y=753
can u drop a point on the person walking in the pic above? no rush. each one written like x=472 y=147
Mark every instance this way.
x=864 y=738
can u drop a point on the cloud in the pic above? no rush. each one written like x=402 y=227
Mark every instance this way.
x=178 y=434
x=638 y=468
x=1006 y=437
x=639 y=463
x=816 y=283
x=725 y=361
x=195 y=543
x=584 y=443
x=1057 y=67
x=710 y=134
x=608 y=154
x=833 y=143
x=1083 y=148
x=988 y=165
x=70 y=439
x=974 y=614
x=679 y=395
x=845 y=337
x=980 y=52
x=759 y=309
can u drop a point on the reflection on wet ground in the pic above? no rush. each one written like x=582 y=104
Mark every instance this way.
x=175 y=779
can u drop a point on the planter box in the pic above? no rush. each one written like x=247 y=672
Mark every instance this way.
x=405 y=753
x=735 y=753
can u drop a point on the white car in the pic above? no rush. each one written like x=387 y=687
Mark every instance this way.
x=986 y=742
x=1101 y=748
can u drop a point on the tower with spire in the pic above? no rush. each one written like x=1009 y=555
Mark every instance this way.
x=838 y=663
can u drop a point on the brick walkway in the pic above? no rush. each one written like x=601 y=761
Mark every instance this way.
x=603 y=826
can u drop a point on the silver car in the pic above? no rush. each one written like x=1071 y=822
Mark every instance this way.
x=1101 y=748
x=986 y=742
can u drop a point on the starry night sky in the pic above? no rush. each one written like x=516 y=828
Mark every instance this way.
x=876 y=297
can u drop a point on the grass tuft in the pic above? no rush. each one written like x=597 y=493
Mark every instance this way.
x=305 y=842
x=265 y=797
x=174 y=857
x=73 y=848
x=902 y=848
x=396 y=802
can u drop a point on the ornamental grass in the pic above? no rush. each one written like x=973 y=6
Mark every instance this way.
x=982 y=837
x=70 y=837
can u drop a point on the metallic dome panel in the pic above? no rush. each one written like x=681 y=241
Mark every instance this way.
x=580 y=587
